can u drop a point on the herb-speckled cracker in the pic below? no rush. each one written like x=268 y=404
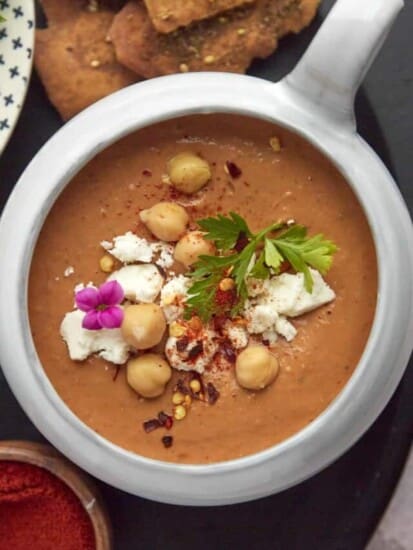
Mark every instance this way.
x=224 y=43
x=58 y=11
x=76 y=63
x=168 y=15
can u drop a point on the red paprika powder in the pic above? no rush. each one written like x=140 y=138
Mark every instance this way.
x=40 y=512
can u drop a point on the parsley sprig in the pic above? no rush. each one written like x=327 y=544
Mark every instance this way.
x=263 y=255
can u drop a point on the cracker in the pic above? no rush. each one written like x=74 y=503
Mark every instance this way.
x=297 y=19
x=76 y=63
x=168 y=15
x=58 y=11
x=224 y=43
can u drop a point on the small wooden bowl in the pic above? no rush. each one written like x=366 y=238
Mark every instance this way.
x=48 y=458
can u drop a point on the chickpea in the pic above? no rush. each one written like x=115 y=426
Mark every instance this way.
x=192 y=245
x=166 y=220
x=143 y=325
x=256 y=367
x=188 y=172
x=148 y=374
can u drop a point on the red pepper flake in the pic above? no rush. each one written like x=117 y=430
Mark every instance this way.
x=232 y=169
x=174 y=194
x=167 y=441
x=285 y=266
x=228 y=352
x=220 y=322
x=182 y=343
x=242 y=242
x=226 y=298
x=116 y=373
x=196 y=350
x=147 y=173
x=212 y=393
x=180 y=387
x=165 y=420
x=151 y=425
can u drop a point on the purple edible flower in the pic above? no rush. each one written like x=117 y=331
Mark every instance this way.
x=101 y=306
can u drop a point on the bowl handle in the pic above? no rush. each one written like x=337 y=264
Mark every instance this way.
x=332 y=68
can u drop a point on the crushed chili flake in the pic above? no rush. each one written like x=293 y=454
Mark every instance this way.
x=167 y=441
x=219 y=322
x=228 y=351
x=232 y=169
x=285 y=266
x=116 y=373
x=166 y=420
x=242 y=242
x=147 y=173
x=212 y=393
x=180 y=387
x=226 y=298
x=151 y=425
x=182 y=343
x=174 y=194
x=196 y=350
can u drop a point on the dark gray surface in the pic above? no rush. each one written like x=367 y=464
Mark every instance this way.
x=339 y=508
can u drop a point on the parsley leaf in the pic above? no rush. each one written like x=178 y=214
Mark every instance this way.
x=209 y=271
x=224 y=231
x=303 y=252
x=272 y=248
x=260 y=269
x=272 y=256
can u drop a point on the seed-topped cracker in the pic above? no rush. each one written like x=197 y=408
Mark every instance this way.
x=169 y=15
x=224 y=43
x=75 y=60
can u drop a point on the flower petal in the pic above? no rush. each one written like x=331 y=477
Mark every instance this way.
x=111 y=317
x=111 y=293
x=87 y=298
x=91 y=320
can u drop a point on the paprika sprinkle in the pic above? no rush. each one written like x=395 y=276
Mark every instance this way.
x=40 y=512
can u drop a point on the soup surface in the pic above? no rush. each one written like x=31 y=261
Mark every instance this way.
x=104 y=200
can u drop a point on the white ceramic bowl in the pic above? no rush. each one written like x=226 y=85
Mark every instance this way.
x=316 y=100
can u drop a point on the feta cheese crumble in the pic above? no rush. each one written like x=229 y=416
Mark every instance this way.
x=173 y=296
x=197 y=355
x=272 y=300
x=129 y=248
x=261 y=318
x=285 y=328
x=237 y=335
x=322 y=294
x=140 y=283
x=82 y=343
x=68 y=271
x=166 y=254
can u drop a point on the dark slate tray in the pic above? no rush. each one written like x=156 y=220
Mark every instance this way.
x=339 y=508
